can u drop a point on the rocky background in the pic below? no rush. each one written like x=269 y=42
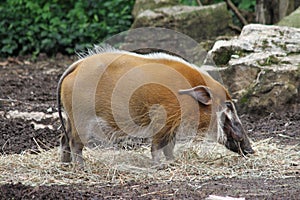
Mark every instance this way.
x=260 y=66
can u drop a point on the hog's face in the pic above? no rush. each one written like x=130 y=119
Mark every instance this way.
x=232 y=129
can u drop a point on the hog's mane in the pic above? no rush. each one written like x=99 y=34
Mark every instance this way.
x=98 y=49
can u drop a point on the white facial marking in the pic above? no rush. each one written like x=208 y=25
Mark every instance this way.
x=221 y=137
x=229 y=114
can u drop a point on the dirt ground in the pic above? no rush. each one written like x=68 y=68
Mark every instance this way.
x=27 y=86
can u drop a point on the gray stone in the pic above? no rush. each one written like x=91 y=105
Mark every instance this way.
x=293 y=20
x=142 y=5
x=199 y=23
x=261 y=67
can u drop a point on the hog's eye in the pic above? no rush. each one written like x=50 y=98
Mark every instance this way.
x=229 y=105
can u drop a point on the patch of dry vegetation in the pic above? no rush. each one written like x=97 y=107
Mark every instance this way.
x=197 y=162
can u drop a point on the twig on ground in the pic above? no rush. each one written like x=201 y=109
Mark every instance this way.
x=235 y=28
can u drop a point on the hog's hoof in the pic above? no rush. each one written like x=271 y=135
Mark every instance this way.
x=161 y=166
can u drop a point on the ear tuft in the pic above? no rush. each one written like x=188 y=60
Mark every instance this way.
x=200 y=93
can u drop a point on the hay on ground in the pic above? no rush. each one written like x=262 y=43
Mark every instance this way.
x=201 y=161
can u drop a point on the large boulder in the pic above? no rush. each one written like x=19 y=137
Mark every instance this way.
x=261 y=67
x=200 y=23
x=142 y=5
x=293 y=20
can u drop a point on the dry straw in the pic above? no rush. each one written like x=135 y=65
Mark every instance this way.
x=200 y=161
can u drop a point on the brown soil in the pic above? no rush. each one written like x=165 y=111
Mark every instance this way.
x=31 y=86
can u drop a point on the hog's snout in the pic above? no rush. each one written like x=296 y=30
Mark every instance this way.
x=237 y=139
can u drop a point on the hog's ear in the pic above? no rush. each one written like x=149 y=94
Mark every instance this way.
x=200 y=93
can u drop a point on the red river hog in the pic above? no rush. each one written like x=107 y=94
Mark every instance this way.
x=146 y=96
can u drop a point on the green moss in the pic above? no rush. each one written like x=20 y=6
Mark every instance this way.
x=247 y=95
x=281 y=33
x=240 y=53
x=265 y=44
x=283 y=46
x=223 y=57
x=270 y=61
x=293 y=53
x=244 y=100
x=285 y=62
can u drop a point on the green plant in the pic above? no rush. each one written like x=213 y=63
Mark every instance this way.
x=248 y=5
x=51 y=26
x=189 y=2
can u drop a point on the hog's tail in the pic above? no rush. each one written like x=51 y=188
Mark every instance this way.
x=70 y=69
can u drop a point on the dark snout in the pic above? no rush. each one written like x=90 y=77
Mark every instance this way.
x=246 y=146
x=242 y=147
x=237 y=139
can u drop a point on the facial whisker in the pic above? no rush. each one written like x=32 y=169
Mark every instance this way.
x=240 y=149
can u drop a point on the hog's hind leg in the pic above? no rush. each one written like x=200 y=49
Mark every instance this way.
x=65 y=150
x=76 y=150
x=168 y=149
x=162 y=143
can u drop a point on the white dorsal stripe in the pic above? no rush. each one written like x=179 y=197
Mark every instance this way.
x=98 y=49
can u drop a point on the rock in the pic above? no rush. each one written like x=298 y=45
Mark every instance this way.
x=142 y=5
x=29 y=116
x=199 y=23
x=293 y=20
x=151 y=39
x=214 y=197
x=261 y=67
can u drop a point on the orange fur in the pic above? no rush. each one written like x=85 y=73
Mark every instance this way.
x=115 y=66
